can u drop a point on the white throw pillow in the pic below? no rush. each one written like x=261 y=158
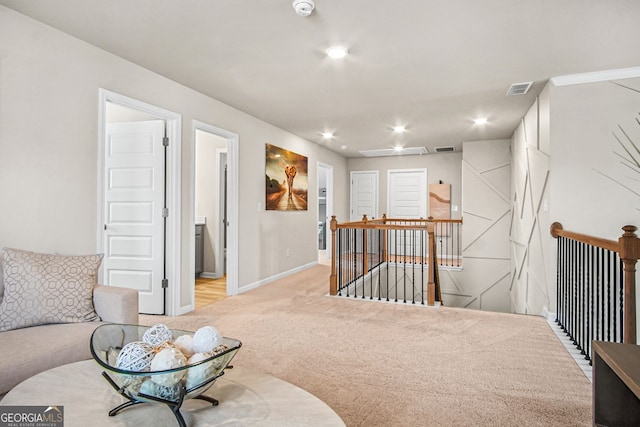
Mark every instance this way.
x=41 y=289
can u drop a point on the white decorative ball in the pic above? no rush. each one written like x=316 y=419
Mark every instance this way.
x=135 y=356
x=198 y=374
x=184 y=343
x=157 y=335
x=168 y=358
x=206 y=339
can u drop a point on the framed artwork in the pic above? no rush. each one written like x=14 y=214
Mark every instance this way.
x=440 y=207
x=287 y=180
x=440 y=201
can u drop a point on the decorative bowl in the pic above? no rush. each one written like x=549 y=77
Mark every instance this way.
x=170 y=386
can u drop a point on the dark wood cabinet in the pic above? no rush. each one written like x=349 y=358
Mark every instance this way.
x=616 y=384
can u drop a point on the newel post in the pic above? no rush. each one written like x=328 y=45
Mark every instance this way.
x=384 y=238
x=629 y=254
x=431 y=284
x=333 y=278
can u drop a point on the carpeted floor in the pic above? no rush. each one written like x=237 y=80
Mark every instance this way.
x=380 y=364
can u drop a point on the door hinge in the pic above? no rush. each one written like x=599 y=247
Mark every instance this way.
x=165 y=141
x=165 y=212
x=165 y=283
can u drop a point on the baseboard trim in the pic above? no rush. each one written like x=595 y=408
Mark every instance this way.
x=262 y=282
x=207 y=275
x=572 y=350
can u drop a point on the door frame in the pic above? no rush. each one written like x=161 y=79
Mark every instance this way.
x=233 y=140
x=173 y=188
x=376 y=193
x=329 y=205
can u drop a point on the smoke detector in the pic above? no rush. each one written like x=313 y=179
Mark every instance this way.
x=303 y=7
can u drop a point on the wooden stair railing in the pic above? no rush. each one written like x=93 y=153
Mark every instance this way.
x=628 y=249
x=386 y=225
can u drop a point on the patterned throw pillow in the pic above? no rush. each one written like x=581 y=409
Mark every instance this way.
x=41 y=289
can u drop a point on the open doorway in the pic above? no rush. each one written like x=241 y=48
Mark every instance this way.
x=210 y=205
x=214 y=214
x=325 y=210
x=138 y=212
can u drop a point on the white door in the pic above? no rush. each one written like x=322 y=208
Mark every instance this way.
x=407 y=199
x=407 y=193
x=134 y=236
x=364 y=195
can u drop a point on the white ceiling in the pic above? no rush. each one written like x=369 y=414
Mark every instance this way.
x=431 y=65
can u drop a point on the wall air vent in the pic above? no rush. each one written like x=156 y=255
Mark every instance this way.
x=519 y=88
x=444 y=149
x=407 y=151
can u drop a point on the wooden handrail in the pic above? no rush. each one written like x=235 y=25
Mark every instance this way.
x=558 y=231
x=628 y=248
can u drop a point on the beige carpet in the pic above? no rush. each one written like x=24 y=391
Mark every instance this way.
x=380 y=364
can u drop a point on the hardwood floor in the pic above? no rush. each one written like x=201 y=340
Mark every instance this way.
x=210 y=290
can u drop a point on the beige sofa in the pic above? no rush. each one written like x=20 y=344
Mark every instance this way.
x=26 y=351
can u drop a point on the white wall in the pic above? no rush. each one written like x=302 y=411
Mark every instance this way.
x=568 y=168
x=583 y=152
x=531 y=259
x=486 y=178
x=445 y=167
x=49 y=84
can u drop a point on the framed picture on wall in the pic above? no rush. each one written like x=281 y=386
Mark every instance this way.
x=287 y=184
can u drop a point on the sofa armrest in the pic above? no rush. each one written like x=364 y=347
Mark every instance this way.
x=116 y=305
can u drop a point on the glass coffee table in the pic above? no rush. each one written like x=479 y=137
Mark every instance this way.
x=246 y=398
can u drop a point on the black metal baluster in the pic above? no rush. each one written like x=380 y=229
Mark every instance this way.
x=339 y=250
x=388 y=242
x=580 y=290
x=396 y=266
x=609 y=295
x=558 y=279
x=422 y=258
x=603 y=275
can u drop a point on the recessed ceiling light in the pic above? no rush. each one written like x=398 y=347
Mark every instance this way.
x=480 y=121
x=344 y=147
x=399 y=129
x=337 y=52
x=327 y=135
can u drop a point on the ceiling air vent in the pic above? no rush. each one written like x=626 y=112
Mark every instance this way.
x=393 y=152
x=519 y=88
x=444 y=149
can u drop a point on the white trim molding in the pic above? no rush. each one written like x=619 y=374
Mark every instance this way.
x=596 y=76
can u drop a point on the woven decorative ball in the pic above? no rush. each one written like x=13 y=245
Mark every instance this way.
x=171 y=393
x=157 y=334
x=184 y=343
x=198 y=374
x=150 y=388
x=135 y=356
x=206 y=339
x=168 y=358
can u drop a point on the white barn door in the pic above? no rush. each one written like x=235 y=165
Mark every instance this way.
x=134 y=201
